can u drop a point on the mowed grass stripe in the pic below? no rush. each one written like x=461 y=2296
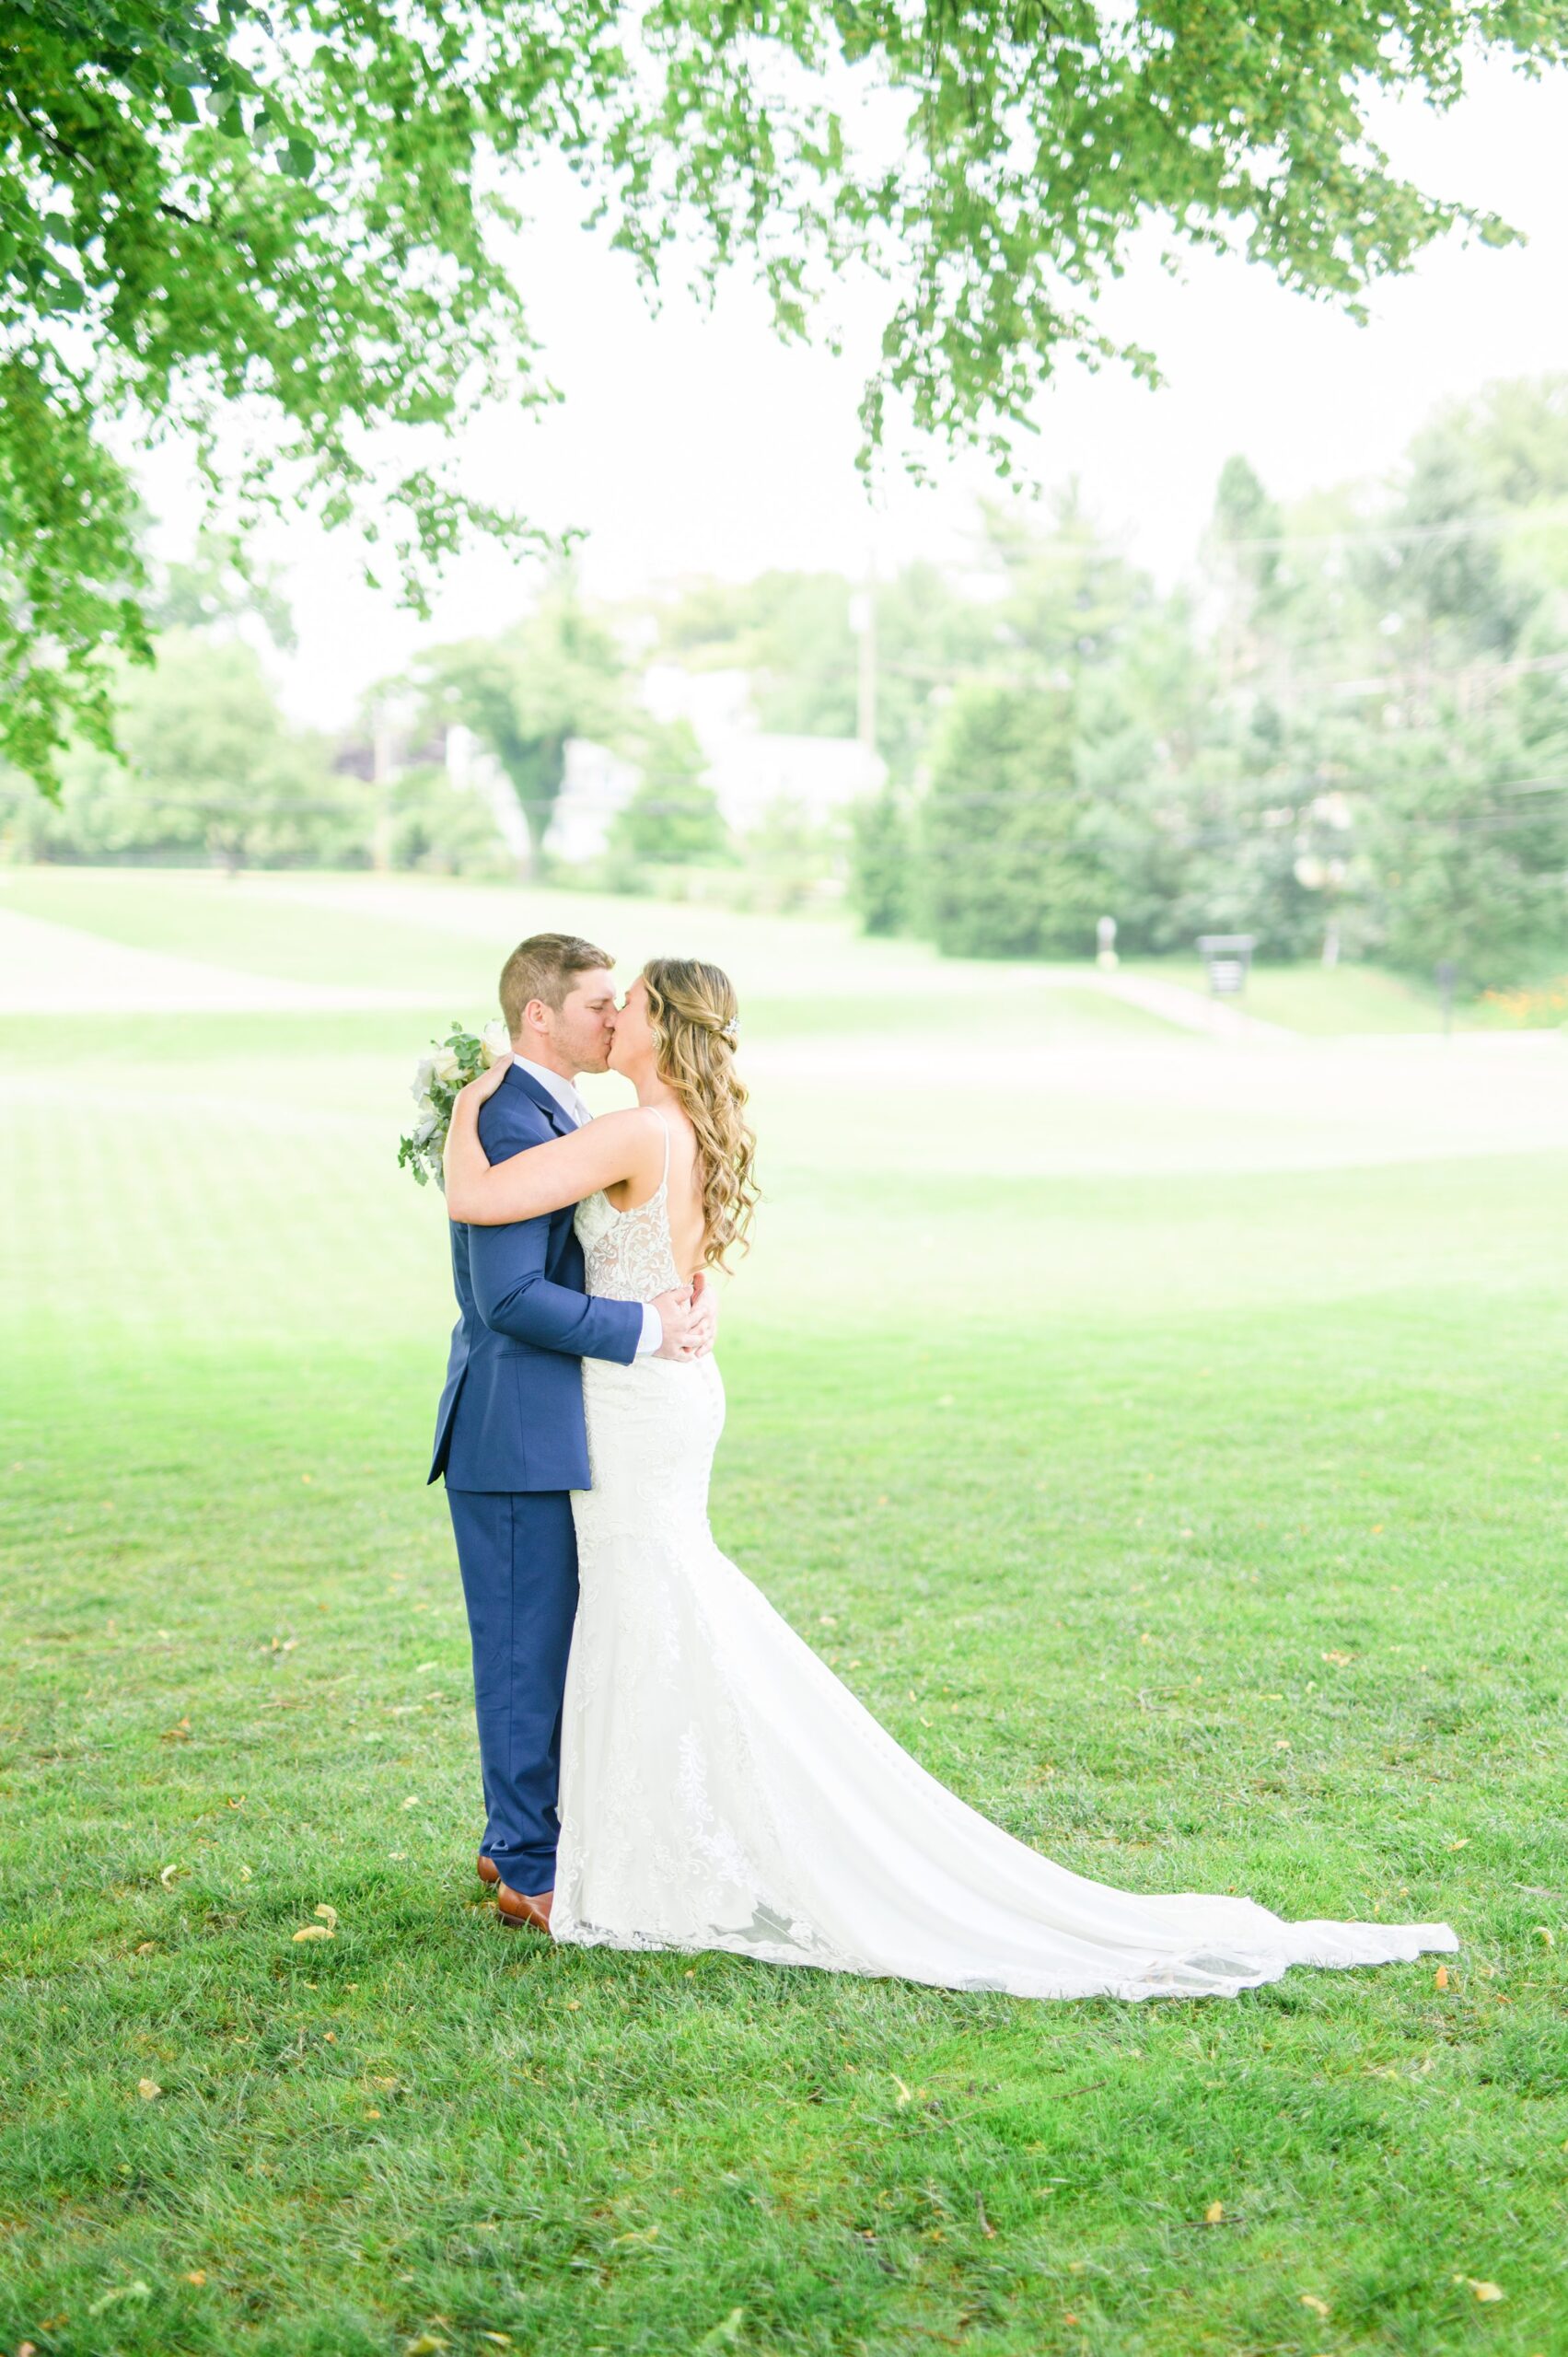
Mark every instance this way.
x=1110 y=1662
x=1204 y=1531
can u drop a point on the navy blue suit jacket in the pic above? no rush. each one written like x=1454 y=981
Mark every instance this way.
x=511 y=1414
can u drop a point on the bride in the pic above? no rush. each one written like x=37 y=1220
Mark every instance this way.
x=719 y=1787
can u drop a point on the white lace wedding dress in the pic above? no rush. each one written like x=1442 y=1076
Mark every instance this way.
x=721 y=1789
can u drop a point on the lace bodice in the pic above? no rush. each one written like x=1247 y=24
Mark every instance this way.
x=629 y=1256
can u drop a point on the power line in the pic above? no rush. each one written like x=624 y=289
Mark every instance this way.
x=1301 y=788
x=1393 y=682
x=1502 y=519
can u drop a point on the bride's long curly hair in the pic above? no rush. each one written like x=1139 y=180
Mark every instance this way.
x=693 y=1014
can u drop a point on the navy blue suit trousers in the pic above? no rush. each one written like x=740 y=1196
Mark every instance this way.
x=518 y=1555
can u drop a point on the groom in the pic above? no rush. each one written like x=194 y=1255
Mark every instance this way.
x=509 y=1432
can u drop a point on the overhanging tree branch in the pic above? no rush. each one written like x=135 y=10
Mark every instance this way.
x=359 y=278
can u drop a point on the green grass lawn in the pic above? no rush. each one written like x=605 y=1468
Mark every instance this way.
x=805 y=977
x=1322 y=1002
x=1209 y=1532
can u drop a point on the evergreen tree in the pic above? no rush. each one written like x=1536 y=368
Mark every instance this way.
x=881 y=870
x=1008 y=868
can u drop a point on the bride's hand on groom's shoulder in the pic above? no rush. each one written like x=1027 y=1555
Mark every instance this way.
x=486 y=1083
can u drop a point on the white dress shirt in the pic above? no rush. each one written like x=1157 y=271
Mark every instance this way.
x=577 y=1111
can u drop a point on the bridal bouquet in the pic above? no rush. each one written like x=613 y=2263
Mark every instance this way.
x=460 y=1057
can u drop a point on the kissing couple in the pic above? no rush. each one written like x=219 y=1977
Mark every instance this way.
x=665 y=1764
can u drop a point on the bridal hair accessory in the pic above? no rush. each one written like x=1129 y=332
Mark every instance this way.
x=452 y=1063
x=730 y=1032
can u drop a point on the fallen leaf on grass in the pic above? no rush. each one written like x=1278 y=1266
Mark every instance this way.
x=905 y=2095
x=312 y=1932
x=180 y=1733
x=1310 y=2300
x=328 y=1915
x=148 y=2089
x=413 y=1801
x=1543 y=1933
x=146 y=1947
x=1485 y=2292
x=198 y=2276
x=167 y=1874
x=1339 y=1661
x=1462 y=1843
x=1214 y=2213
x=724 y=2335
x=425 y=2346
x=1440 y=1978
x=639 y=2235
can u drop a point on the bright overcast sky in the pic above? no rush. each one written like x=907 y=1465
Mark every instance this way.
x=695 y=442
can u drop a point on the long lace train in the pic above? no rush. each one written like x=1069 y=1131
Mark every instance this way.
x=720 y=1788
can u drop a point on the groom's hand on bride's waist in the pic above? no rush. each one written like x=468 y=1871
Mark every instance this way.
x=704 y=1301
x=688 y=1318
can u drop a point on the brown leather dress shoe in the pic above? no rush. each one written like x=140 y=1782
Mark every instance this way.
x=489 y=1871
x=517 y=1909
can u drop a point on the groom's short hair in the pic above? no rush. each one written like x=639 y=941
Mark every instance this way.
x=543 y=966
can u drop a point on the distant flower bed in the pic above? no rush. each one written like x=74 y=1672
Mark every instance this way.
x=1537 y=1009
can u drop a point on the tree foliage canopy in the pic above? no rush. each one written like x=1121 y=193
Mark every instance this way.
x=555 y=675
x=278 y=229
x=1356 y=736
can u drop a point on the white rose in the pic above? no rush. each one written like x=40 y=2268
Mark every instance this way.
x=446 y=1068
x=420 y=1089
x=429 y=1121
x=495 y=1041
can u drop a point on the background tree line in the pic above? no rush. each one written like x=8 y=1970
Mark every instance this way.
x=1347 y=733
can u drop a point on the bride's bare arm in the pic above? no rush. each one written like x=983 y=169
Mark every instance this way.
x=542 y=1177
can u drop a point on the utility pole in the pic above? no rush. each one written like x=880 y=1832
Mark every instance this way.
x=862 y=621
x=383 y=769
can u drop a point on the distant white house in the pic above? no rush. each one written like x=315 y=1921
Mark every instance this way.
x=474 y=770
x=598 y=784
x=749 y=770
